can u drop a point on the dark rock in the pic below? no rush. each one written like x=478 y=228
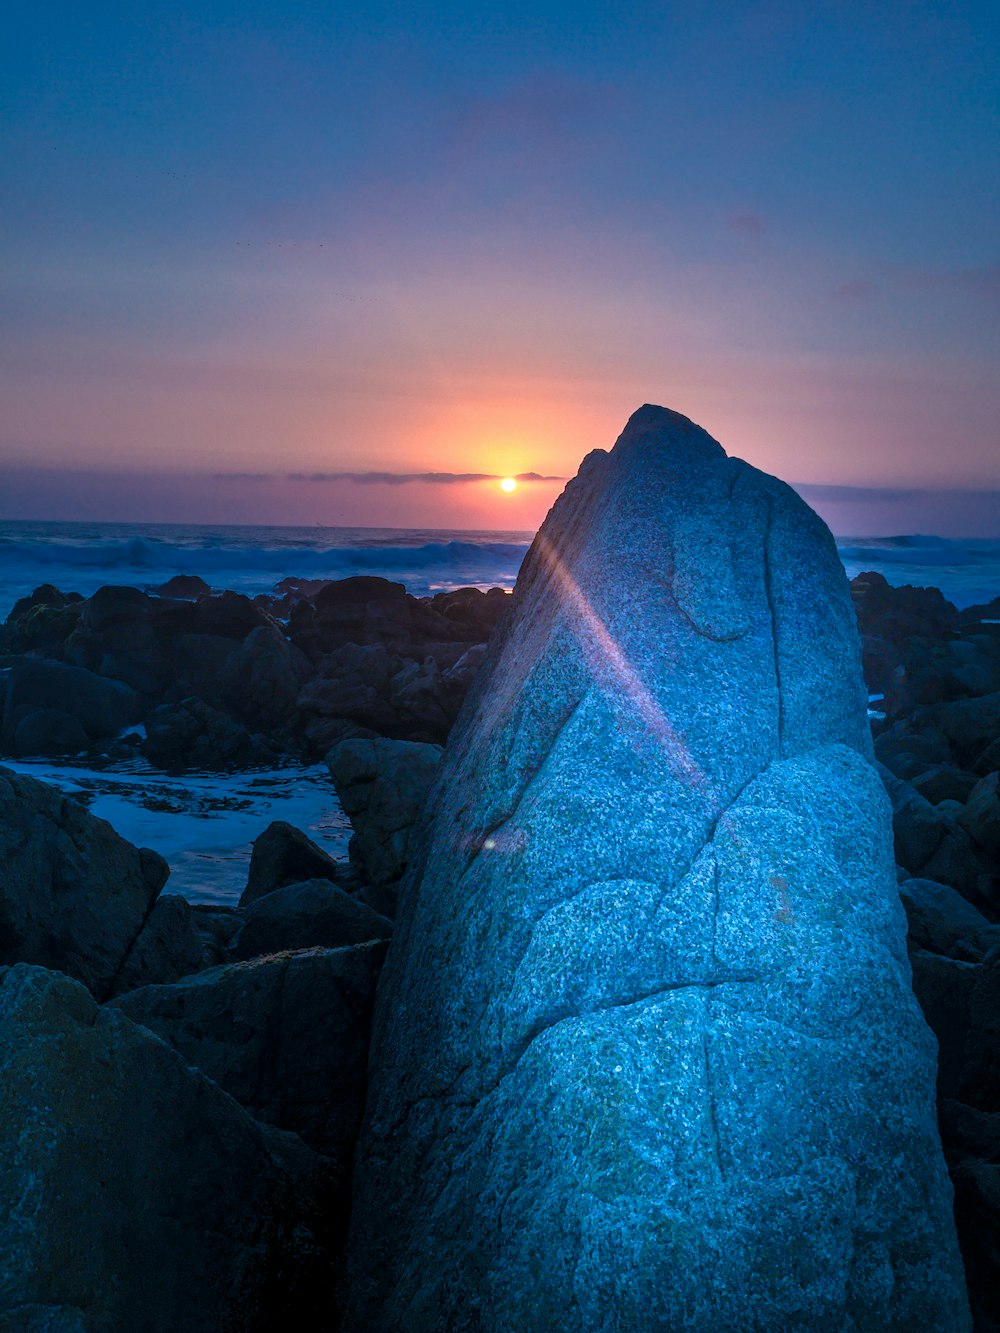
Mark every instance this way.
x=941 y=921
x=230 y=615
x=167 y=947
x=134 y=1193
x=199 y=663
x=101 y=707
x=901 y=613
x=217 y=927
x=970 y=725
x=477 y=613
x=920 y=750
x=116 y=637
x=284 y=855
x=192 y=734
x=645 y=1048
x=918 y=828
x=972 y=1146
x=112 y=606
x=944 y=782
x=980 y=1084
x=315 y=914
x=382 y=786
x=353 y=684
x=944 y=988
x=185 y=586
x=287 y=1036
x=981 y=816
x=41 y=623
x=966 y=1130
x=73 y=894
x=264 y=677
x=49 y=731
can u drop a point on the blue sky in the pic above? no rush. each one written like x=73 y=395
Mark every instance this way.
x=403 y=237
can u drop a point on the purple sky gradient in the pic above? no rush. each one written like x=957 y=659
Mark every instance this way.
x=414 y=238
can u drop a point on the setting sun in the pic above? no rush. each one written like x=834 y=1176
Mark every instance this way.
x=508 y=484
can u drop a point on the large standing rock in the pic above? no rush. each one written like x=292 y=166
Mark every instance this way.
x=134 y=1193
x=73 y=894
x=646 y=1054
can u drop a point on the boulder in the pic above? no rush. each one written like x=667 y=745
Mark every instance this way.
x=167 y=947
x=185 y=586
x=193 y=734
x=116 y=637
x=263 y=679
x=284 y=855
x=981 y=816
x=287 y=1036
x=314 y=914
x=134 y=1193
x=944 y=782
x=217 y=927
x=943 y=922
x=944 y=988
x=49 y=731
x=917 y=827
x=229 y=614
x=73 y=894
x=41 y=622
x=382 y=786
x=101 y=707
x=980 y=1086
x=645 y=1052
x=971 y=726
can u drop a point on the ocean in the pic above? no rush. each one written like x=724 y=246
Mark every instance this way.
x=81 y=557
x=204 y=824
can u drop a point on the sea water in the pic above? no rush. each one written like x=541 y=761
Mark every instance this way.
x=204 y=824
x=82 y=557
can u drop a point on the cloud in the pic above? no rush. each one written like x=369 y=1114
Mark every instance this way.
x=859 y=289
x=893 y=494
x=747 y=223
x=383 y=478
x=983 y=281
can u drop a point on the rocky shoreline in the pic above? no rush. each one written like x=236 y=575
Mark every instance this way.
x=199 y=1073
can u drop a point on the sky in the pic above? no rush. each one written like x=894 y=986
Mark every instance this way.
x=252 y=254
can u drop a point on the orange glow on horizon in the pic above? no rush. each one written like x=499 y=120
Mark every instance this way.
x=508 y=484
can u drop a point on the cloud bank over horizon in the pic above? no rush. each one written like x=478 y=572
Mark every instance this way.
x=37 y=494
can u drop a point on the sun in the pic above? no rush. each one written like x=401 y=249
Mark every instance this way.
x=508 y=484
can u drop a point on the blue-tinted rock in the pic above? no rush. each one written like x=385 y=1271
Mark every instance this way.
x=646 y=1052
x=73 y=894
x=313 y=914
x=135 y=1191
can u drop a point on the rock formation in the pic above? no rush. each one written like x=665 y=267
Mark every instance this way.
x=134 y=1193
x=646 y=1052
x=73 y=894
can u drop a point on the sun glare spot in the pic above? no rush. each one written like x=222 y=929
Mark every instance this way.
x=508 y=484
